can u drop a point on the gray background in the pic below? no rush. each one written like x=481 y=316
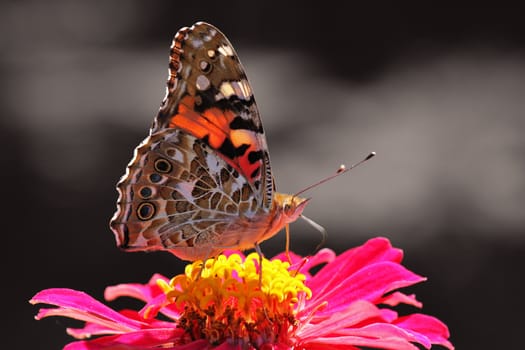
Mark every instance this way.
x=438 y=93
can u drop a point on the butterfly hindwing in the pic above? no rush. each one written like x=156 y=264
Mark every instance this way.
x=179 y=195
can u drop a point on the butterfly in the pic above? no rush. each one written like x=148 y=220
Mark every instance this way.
x=201 y=182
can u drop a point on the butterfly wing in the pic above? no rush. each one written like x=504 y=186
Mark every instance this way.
x=201 y=181
x=179 y=195
x=209 y=96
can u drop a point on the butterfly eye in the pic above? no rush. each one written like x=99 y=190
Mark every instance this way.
x=287 y=207
x=162 y=165
x=145 y=211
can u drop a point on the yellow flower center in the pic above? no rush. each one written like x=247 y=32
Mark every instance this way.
x=228 y=300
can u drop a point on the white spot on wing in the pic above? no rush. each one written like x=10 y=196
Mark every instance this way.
x=196 y=43
x=178 y=156
x=213 y=164
x=237 y=184
x=225 y=50
x=204 y=65
x=227 y=89
x=240 y=88
x=202 y=83
x=185 y=188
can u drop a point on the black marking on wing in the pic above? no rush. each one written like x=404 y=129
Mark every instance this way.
x=228 y=149
x=255 y=173
x=233 y=103
x=245 y=124
x=242 y=149
x=254 y=156
x=125 y=231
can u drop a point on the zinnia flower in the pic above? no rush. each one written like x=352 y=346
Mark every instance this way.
x=229 y=304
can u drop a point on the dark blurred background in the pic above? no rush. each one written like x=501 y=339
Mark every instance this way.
x=437 y=92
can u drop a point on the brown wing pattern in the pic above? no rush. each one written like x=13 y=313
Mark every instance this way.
x=178 y=195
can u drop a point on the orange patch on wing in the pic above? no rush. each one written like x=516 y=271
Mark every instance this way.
x=219 y=118
x=240 y=137
x=213 y=122
x=186 y=122
x=246 y=137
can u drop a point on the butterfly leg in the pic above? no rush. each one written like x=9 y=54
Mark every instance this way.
x=261 y=256
x=305 y=260
x=287 y=228
x=203 y=263
x=203 y=266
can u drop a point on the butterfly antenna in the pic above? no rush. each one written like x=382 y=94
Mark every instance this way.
x=341 y=170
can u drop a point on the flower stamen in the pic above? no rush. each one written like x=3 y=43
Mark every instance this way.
x=245 y=301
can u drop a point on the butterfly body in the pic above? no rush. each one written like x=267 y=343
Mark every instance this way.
x=201 y=182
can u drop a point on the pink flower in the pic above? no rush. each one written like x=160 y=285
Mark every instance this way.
x=227 y=305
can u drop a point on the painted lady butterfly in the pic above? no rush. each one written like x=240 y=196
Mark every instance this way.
x=201 y=181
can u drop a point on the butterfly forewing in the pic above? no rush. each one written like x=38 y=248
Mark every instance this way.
x=201 y=182
x=209 y=96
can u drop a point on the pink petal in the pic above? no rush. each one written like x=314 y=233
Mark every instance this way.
x=377 y=335
x=143 y=339
x=374 y=250
x=149 y=293
x=91 y=329
x=314 y=346
x=432 y=328
x=322 y=257
x=388 y=315
x=370 y=283
x=305 y=264
x=80 y=306
x=152 y=308
x=136 y=290
x=385 y=331
x=397 y=298
x=384 y=343
x=355 y=313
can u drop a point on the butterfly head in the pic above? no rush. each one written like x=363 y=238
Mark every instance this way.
x=290 y=207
